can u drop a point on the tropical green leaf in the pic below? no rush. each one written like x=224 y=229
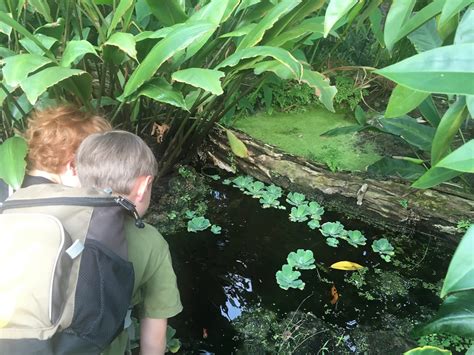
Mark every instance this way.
x=406 y=127
x=376 y=26
x=174 y=42
x=6 y=19
x=451 y=8
x=123 y=41
x=447 y=70
x=236 y=145
x=447 y=129
x=18 y=67
x=279 y=54
x=455 y=316
x=122 y=8
x=75 y=51
x=314 y=25
x=242 y=31
x=426 y=37
x=256 y=35
x=322 y=86
x=470 y=104
x=403 y=100
x=168 y=12
x=5 y=52
x=464 y=32
x=206 y=79
x=12 y=161
x=5 y=29
x=162 y=91
x=429 y=111
x=397 y=16
x=396 y=167
x=33 y=47
x=42 y=7
x=427 y=350
x=434 y=176
x=336 y=10
x=54 y=29
x=460 y=275
x=462 y=159
x=343 y=130
x=37 y=84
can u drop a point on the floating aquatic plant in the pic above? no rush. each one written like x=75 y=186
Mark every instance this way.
x=255 y=189
x=315 y=210
x=301 y=259
x=332 y=229
x=242 y=182
x=314 y=223
x=198 y=224
x=354 y=238
x=384 y=248
x=299 y=214
x=296 y=199
x=332 y=242
x=289 y=278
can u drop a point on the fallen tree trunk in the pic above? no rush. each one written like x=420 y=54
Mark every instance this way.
x=374 y=201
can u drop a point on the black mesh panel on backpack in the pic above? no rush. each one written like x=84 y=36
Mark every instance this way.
x=102 y=296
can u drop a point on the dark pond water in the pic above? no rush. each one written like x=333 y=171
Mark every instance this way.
x=227 y=280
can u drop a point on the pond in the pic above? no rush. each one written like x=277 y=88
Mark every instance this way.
x=233 y=304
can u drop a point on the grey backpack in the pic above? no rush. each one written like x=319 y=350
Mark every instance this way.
x=65 y=279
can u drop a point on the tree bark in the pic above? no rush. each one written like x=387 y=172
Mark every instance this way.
x=431 y=211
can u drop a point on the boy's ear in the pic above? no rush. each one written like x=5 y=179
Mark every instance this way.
x=143 y=183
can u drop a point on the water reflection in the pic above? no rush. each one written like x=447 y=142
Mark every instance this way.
x=236 y=292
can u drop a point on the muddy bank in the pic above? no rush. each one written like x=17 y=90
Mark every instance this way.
x=390 y=204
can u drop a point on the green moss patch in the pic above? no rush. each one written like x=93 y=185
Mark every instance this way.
x=299 y=134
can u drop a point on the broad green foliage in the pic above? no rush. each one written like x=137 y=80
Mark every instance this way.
x=182 y=63
x=456 y=314
x=384 y=248
x=289 y=278
x=301 y=259
x=12 y=161
x=296 y=199
x=198 y=224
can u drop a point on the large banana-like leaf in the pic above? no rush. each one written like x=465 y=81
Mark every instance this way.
x=18 y=67
x=447 y=129
x=455 y=316
x=403 y=100
x=312 y=25
x=398 y=14
x=336 y=10
x=162 y=91
x=120 y=11
x=451 y=8
x=429 y=111
x=168 y=12
x=464 y=32
x=256 y=35
x=406 y=127
x=426 y=37
x=33 y=47
x=241 y=31
x=434 y=176
x=123 y=41
x=462 y=159
x=279 y=54
x=75 y=51
x=447 y=70
x=174 y=42
x=42 y=7
x=460 y=275
x=37 y=84
x=206 y=79
x=211 y=13
x=12 y=161
x=323 y=89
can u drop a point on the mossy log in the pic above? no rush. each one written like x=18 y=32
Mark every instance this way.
x=390 y=204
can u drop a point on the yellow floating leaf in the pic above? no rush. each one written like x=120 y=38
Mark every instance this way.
x=346 y=265
x=237 y=146
x=427 y=350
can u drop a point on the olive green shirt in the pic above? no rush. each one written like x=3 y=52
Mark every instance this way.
x=155 y=292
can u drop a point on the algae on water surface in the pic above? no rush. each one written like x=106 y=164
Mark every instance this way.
x=300 y=134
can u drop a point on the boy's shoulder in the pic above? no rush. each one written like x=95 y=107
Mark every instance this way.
x=147 y=238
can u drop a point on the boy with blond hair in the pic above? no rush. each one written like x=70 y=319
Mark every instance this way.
x=122 y=162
